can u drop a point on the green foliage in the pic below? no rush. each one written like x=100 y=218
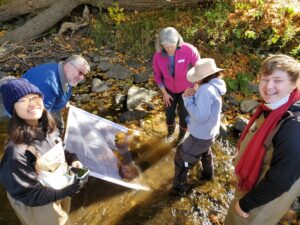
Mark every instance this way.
x=249 y=34
x=295 y=52
x=263 y=27
x=240 y=83
x=101 y=28
x=140 y=35
x=116 y=13
x=134 y=37
x=216 y=18
x=232 y=84
x=251 y=27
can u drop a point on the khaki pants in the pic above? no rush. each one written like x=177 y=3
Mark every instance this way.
x=268 y=214
x=55 y=213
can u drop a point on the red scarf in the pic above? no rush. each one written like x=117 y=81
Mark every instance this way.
x=249 y=166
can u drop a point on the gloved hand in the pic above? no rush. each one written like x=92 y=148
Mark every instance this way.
x=71 y=189
x=75 y=187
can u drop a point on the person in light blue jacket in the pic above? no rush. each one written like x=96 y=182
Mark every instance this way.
x=204 y=103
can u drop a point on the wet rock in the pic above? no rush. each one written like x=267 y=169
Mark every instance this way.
x=104 y=65
x=132 y=115
x=240 y=123
x=142 y=77
x=99 y=85
x=223 y=131
x=137 y=96
x=231 y=100
x=248 y=105
x=84 y=98
x=134 y=64
x=96 y=58
x=253 y=88
x=120 y=99
x=119 y=72
x=225 y=106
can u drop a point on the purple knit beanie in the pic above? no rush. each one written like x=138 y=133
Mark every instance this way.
x=14 y=89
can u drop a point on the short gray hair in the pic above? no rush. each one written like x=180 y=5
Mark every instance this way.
x=168 y=35
x=78 y=60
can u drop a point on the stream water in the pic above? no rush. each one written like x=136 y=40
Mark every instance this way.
x=101 y=202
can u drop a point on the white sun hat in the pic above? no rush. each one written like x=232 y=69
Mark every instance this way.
x=203 y=68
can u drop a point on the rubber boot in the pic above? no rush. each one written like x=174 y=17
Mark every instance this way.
x=207 y=173
x=180 y=183
x=181 y=136
x=171 y=130
x=170 y=138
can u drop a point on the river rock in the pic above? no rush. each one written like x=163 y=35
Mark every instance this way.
x=119 y=72
x=231 y=100
x=132 y=115
x=137 y=96
x=248 y=105
x=240 y=123
x=99 y=85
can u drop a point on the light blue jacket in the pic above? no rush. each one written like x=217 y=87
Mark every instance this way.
x=205 y=109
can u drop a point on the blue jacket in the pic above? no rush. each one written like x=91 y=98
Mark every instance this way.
x=204 y=109
x=47 y=77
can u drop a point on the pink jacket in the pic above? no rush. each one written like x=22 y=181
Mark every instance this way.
x=185 y=57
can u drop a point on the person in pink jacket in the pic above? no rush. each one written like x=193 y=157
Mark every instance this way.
x=171 y=62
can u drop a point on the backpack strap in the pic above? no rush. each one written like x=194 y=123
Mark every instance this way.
x=296 y=114
x=270 y=136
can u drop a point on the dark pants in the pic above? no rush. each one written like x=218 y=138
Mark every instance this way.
x=188 y=154
x=171 y=111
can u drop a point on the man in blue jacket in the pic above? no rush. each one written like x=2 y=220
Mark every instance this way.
x=56 y=80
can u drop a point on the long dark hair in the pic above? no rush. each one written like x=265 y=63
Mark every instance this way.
x=210 y=77
x=22 y=133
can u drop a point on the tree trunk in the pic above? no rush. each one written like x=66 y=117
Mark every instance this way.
x=21 y=7
x=41 y=22
x=58 y=9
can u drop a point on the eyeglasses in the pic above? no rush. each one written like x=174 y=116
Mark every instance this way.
x=36 y=99
x=81 y=73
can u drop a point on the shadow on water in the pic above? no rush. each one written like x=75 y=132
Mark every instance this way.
x=96 y=190
x=101 y=202
x=148 y=210
x=104 y=203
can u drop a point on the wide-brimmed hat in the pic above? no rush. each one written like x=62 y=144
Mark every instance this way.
x=203 y=68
